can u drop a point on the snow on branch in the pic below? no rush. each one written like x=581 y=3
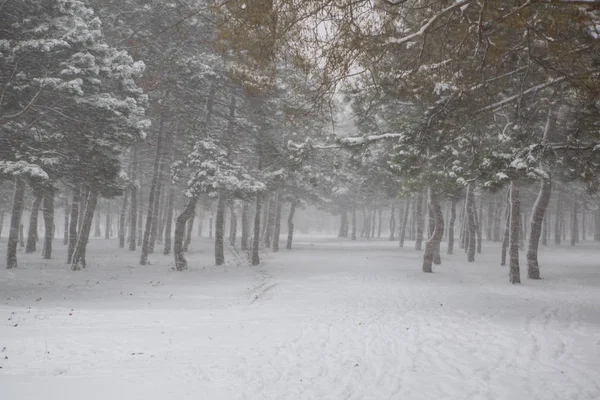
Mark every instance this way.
x=428 y=24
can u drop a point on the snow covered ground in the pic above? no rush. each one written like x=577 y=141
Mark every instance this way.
x=329 y=320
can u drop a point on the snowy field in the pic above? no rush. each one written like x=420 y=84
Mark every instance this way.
x=330 y=320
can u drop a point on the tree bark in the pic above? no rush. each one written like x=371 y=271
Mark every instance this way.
x=220 y=231
x=392 y=223
x=490 y=217
x=107 y=229
x=169 y=221
x=232 y=224
x=471 y=223
x=256 y=239
x=402 y=232
x=180 y=225
x=574 y=224
x=537 y=218
x=271 y=220
x=290 y=223
x=48 y=213
x=505 y=239
x=79 y=261
x=188 y=235
x=379 y=223
x=479 y=225
x=122 y=219
x=597 y=225
x=420 y=221
x=277 y=228
x=15 y=223
x=245 y=225
x=436 y=215
x=515 y=230
x=32 y=234
x=451 y=227
x=353 y=235
x=97 y=230
x=74 y=224
x=66 y=225
x=343 y=232
x=558 y=220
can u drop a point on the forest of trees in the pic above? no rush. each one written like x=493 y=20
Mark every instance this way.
x=425 y=120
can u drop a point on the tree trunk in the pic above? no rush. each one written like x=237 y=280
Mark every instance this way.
x=97 y=230
x=188 y=235
x=122 y=219
x=402 y=232
x=490 y=217
x=451 y=227
x=392 y=223
x=232 y=224
x=271 y=220
x=545 y=231
x=435 y=211
x=379 y=223
x=169 y=221
x=153 y=193
x=107 y=229
x=497 y=223
x=180 y=225
x=32 y=234
x=155 y=216
x=420 y=221
x=66 y=226
x=290 y=222
x=245 y=225
x=343 y=232
x=256 y=240
x=479 y=225
x=515 y=230
x=74 y=224
x=558 y=220
x=471 y=223
x=15 y=223
x=277 y=228
x=537 y=218
x=597 y=225
x=78 y=261
x=574 y=224
x=353 y=235
x=220 y=231
x=49 y=223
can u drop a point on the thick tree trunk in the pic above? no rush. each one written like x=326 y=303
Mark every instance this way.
x=233 y=223
x=290 y=223
x=32 y=234
x=188 y=234
x=277 y=228
x=392 y=223
x=74 y=224
x=256 y=239
x=420 y=221
x=353 y=235
x=435 y=212
x=49 y=223
x=343 y=232
x=545 y=231
x=451 y=227
x=471 y=223
x=153 y=194
x=180 y=230
x=15 y=223
x=574 y=224
x=245 y=225
x=537 y=218
x=404 y=223
x=169 y=221
x=122 y=219
x=220 y=231
x=66 y=225
x=79 y=261
x=515 y=230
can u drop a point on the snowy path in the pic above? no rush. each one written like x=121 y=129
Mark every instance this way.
x=329 y=320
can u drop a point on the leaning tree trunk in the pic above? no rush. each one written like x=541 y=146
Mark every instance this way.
x=180 y=225
x=245 y=225
x=437 y=225
x=420 y=221
x=471 y=223
x=256 y=239
x=49 y=223
x=169 y=221
x=122 y=217
x=277 y=228
x=74 y=224
x=78 y=261
x=537 y=219
x=32 y=236
x=15 y=223
x=451 y=227
x=515 y=230
x=220 y=231
x=290 y=222
x=404 y=222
